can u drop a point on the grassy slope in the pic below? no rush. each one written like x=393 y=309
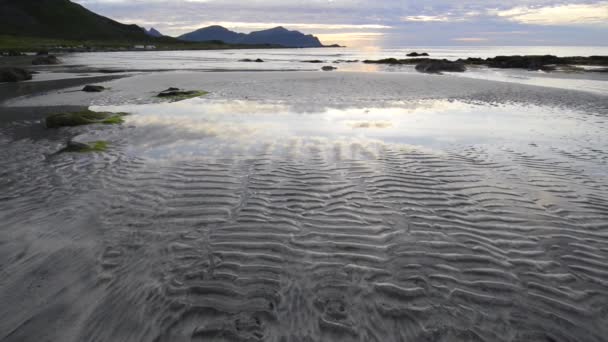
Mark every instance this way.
x=30 y=25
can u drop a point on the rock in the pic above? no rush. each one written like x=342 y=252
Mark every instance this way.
x=313 y=61
x=84 y=117
x=42 y=53
x=9 y=74
x=436 y=67
x=416 y=54
x=177 y=94
x=523 y=62
x=93 y=88
x=328 y=68
x=46 y=60
x=259 y=60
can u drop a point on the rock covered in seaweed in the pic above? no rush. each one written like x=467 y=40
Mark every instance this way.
x=10 y=74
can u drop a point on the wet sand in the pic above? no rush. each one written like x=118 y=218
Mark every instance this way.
x=309 y=207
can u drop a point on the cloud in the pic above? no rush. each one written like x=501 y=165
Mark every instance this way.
x=394 y=22
x=571 y=14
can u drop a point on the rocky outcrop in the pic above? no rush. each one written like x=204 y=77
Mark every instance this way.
x=93 y=89
x=9 y=74
x=437 y=67
x=46 y=60
x=328 y=68
x=416 y=54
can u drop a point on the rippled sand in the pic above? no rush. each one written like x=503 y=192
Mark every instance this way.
x=310 y=207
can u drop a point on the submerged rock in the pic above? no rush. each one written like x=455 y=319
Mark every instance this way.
x=85 y=117
x=259 y=60
x=9 y=74
x=93 y=88
x=436 y=67
x=176 y=94
x=328 y=68
x=46 y=60
x=416 y=54
x=313 y=61
x=95 y=146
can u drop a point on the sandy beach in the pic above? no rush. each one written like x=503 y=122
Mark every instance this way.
x=305 y=206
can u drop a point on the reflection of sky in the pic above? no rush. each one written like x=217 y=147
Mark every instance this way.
x=201 y=126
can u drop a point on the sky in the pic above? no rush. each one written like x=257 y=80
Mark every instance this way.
x=380 y=23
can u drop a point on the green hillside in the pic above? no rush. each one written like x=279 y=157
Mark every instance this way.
x=62 y=19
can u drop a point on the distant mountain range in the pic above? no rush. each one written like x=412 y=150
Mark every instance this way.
x=276 y=36
x=62 y=19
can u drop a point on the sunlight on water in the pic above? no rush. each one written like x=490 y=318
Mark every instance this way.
x=246 y=127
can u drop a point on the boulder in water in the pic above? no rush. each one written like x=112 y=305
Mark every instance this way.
x=328 y=68
x=416 y=54
x=437 y=67
x=10 y=74
x=46 y=60
x=93 y=89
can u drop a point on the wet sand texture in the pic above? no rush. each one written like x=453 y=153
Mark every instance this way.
x=325 y=242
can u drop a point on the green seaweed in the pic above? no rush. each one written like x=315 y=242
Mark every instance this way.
x=84 y=117
x=95 y=146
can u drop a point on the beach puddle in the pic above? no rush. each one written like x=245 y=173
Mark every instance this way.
x=202 y=127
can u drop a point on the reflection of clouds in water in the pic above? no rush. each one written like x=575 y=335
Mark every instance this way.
x=248 y=127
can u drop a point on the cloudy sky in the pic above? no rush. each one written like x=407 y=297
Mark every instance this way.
x=381 y=22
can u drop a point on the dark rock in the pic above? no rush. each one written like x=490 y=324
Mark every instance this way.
x=93 y=89
x=46 y=60
x=259 y=60
x=314 y=61
x=436 y=67
x=394 y=61
x=416 y=54
x=523 y=62
x=328 y=68
x=9 y=74
x=84 y=117
x=176 y=94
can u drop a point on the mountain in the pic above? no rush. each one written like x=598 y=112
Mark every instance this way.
x=152 y=32
x=62 y=19
x=213 y=33
x=277 y=36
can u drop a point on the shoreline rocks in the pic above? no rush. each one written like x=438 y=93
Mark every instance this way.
x=328 y=68
x=437 y=67
x=416 y=54
x=46 y=60
x=93 y=89
x=545 y=63
x=10 y=74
